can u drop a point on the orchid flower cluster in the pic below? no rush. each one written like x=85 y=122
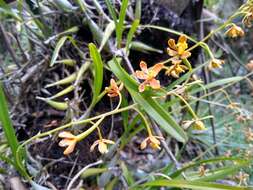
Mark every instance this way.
x=179 y=53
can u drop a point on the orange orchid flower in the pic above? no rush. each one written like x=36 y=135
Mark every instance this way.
x=178 y=51
x=102 y=145
x=69 y=140
x=113 y=90
x=148 y=75
x=153 y=141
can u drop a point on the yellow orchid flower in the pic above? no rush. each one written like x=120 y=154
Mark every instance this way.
x=102 y=145
x=153 y=141
x=178 y=51
x=176 y=69
x=216 y=63
x=235 y=31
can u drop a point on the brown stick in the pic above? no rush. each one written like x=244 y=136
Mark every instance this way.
x=8 y=45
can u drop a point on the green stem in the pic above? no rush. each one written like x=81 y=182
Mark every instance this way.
x=144 y=120
x=187 y=105
x=215 y=31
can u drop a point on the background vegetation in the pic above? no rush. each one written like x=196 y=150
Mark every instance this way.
x=56 y=64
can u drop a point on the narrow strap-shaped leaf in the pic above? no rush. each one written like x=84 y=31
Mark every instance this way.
x=66 y=80
x=111 y=10
x=219 y=173
x=6 y=9
x=93 y=171
x=9 y=132
x=131 y=33
x=57 y=49
x=217 y=83
x=55 y=104
x=107 y=34
x=137 y=12
x=98 y=75
x=147 y=103
x=65 y=5
x=212 y=160
x=63 y=92
x=142 y=47
x=120 y=25
x=193 y=185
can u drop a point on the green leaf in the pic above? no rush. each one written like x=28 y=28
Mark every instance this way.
x=125 y=114
x=66 y=80
x=111 y=184
x=81 y=4
x=93 y=171
x=68 y=62
x=63 y=92
x=193 y=185
x=120 y=26
x=7 y=160
x=111 y=11
x=140 y=46
x=137 y=12
x=217 y=83
x=3 y=171
x=65 y=5
x=127 y=175
x=147 y=103
x=6 y=9
x=98 y=75
x=82 y=70
x=219 y=173
x=107 y=34
x=212 y=160
x=9 y=132
x=55 y=104
x=57 y=49
x=131 y=33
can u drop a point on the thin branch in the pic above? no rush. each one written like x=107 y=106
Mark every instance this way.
x=80 y=173
x=8 y=45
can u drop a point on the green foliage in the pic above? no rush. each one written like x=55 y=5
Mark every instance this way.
x=76 y=58
x=98 y=72
x=151 y=106
x=10 y=135
x=192 y=185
